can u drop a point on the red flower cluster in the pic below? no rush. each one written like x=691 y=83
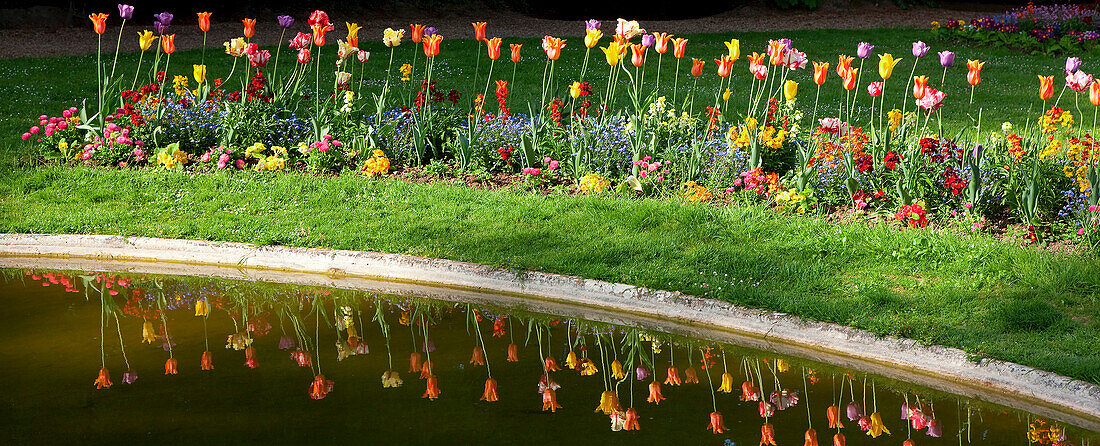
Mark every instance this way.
x=506 y=154
x=912 y=215
x=951 y=181
x=865 y=162
x=258 y=86
x=891 y=159
x=555 y=110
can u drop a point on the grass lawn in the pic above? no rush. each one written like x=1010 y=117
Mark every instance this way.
x=972 y=292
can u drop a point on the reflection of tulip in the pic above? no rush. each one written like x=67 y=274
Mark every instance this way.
x=552 y=364
x=103 y=381
x=766 y=409
x=920 y=86
x=250 y=357
x=716 y=425
x=490 y=393
x=727 y=383
x=974 y=71
x=877 y=428
x=592 y=38
x=320 y=387
x=673 y=377
x=678 y=47
x=170 y=366
x=478 y=356
x=249 y=27
x=617 y=367
x=204 y=21
x=821 y=71
x=697 y=67
x=631 y=423
x=844 y=63
x=550 y=400
x=749 y=392
x=725 y=65
x=908 y=442
x=515 y=51
x=691 y=376
x=935 y=429
x=148 y=334
x=588 y=368
x=571 y=360
x=734 y=48
x=415 y=362
x=854 y=411
x=99 y=22
x=145 y=40
x=661 y=43
x=1046 y=87
x=833 y=412
x=811 y=437
x=886 y=64
x=168 y=43
x=790 y=90
x=207 y=360
x=641 y=373
x=431 y=389
x=638 y=55
x=839 y=440
x=200 y=305
x=609 y=403
x=129 y=377
x=655 y=395
x=767 y=434
x=390 y=378
x=513 y=351
x=426 y=370
x=479 y=31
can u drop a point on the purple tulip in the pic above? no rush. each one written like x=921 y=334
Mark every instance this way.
x=904 y=411
x=429 y=346
x=429 y=31
x=947 y=58
x=1072 y=65
x=285 y=21
x=641 y=372
x=864 y=50
x=648 y=40
x=160 y=28
x=591 y=24
x=787 y=44
x=129 y=377
x=165 y=18
x=125 y=11
x=920 y=49
x=854 y=411
x=286 y=343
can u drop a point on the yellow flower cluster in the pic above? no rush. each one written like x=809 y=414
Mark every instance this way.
x=739 y=138
x=895 y=117
x=275 y=161
x=935 y=25
x=171 y=158
x=378 y=164
x=773 y=138
x=406 y=72
x=791 y=197
x=1081 y=156
x=1055 y=118
x=593 y=183
x=1051 y=149
x=696 y=192
x=179 y=83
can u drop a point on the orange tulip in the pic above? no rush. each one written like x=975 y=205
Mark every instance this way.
x=490 y=393
x=431 y=44
x=207 y=360
x=103 y=381
x=168 y=43
x=673 y=378
x=553 y=46
x=249 y=27
x=833 y=412
x=776 y=48
x=99 y=22
x=515 y=51
x=320 y=387
x=638 y=55
x=431 y=388
x=920 y=86
x=821 y=71
x=838 y=440
x=716 y=425
x=697 y=67
x=426 y=370
x=513 y=350
x=1046 y=87
x=478 y=357
x=655 y=395
x=661 y=42
x=691 y=376
x=631 y=423
x=850 y=79
x=170 y=366
x=494 y=48
x=678 y=47
x=550 y=400
x=552 y=364
x=974 y=71
x=725 y=65
x=756 y=59
x=319 y=35
x=204 y=21
x=767 y=434
x=811 y=437
x=844 y=64
x=908 y=442
x=417 y=32
x=415 y=362
x=479 y=31
x=1094 y=94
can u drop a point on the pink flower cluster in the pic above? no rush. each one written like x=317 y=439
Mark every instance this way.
x=223 y=157
x=650 y=168
x=754 y=180
x=50 y=124
x=324 y=144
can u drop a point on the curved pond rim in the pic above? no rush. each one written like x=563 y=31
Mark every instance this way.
x=941 y=368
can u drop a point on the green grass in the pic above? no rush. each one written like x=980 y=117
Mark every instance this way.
x=33 y=86
x=972 y=292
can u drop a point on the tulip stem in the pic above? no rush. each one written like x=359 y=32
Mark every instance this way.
x=584 y=66
x=136 y=72
x=122 y=345
x=481 y=108
x=278 y=49
x=477 y=327
x=710 y=383
x=660 y=58
x=904 y=101
x=817 y=97
x=99 y=78
x=117 y=45
x=675 y=84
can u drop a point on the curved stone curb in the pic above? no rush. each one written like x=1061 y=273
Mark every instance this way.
x=1044 y=393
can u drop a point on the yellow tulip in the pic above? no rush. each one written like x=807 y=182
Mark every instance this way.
x=727 y=383
x=145 y=39
x=575 y=92
x=877 y=428
x=200 y=305
x=614 y=53
x=886 y=63
x=734 y=46
x=790 y=90
x=726 y=95
x=592 y=38
x=200 y=77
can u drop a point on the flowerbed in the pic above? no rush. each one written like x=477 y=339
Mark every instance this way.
x=1056 y=28
x=635 y=134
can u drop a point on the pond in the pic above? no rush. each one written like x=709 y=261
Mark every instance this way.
x=97 y=356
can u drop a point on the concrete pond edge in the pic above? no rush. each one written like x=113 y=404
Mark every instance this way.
x=1044 y=393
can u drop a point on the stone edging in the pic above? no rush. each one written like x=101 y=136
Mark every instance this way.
x=1045 y=393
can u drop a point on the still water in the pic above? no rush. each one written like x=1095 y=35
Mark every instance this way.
x=99 y=357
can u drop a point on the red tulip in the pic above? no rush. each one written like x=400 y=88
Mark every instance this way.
x=490 y=393
x=838 y=440
x=515 y=51
x=207 y=360
x=678 y=47
x=1046 y=87
x=697 y=67
x=673 y=378
x=99 y=22
x=513 y=350
x=811 y=437
x=103 y=381
x=320 y=387
x=426 y=370
x=479 y=31
x=716 y=425
x=417 y=32
x=974 y=71
x=431 y=44
x=843 y=65
x=767 y=432
x=552 y=364
x=821 y=71
x=638 y=55
x=249 y=27
x=833 y=412
x=494 y=48
x=250 y=357
x=661 y=42
x=431 y=390
x=920 y=86
x=478 y=356
x=655 y=395
x=550 y=400
x=168 y=43
x=204 y=21
x=1094 y=93
x=725 y=65
x=631 y=423
x=170 y=366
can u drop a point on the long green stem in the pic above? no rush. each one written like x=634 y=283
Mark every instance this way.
x=117 y=46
